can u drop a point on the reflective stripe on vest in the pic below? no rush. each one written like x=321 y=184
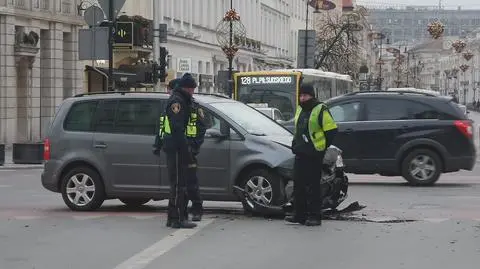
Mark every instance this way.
x=191 y=130
x=192 y=125
x=317 y=135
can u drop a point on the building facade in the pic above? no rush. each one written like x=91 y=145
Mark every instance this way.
x=271 y=35
x=410 y=23
x=434 y=65
x=38 y=64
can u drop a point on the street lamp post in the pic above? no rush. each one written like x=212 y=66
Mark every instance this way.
x=228 y=29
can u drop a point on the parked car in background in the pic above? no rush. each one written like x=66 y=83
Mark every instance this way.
x=99 y=147
x=463 y=108
x=403 y=133
x=271 y=112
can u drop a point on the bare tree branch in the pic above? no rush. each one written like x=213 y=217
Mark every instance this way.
x=338 y=46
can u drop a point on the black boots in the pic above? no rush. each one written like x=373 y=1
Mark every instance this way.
x=313 y=222
x=295 y=219
x=310 y=221
x=181 y=224
x=196 y=217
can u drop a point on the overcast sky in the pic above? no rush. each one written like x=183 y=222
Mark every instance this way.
x=466 y=4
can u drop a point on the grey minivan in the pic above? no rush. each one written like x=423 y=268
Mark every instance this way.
x=99 y=147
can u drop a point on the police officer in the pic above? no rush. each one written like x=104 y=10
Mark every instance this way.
x=192 y=180
x=172 y=84
x=315 y=130
x=177 y=124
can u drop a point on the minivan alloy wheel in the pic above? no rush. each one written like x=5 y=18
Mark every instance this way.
x=259 y=189
x=422 y=167
x=80 y=189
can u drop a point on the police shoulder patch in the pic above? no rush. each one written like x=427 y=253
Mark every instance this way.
x=176 y=107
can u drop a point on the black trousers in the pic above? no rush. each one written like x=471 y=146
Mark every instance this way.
x=177 y=173
x=306 y=189
x=193 y=190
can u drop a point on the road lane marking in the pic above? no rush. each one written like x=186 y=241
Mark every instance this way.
x=436 y=220
x=146 y=256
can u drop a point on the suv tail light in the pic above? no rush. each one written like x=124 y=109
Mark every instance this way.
x=465 y=127
x=46 y=149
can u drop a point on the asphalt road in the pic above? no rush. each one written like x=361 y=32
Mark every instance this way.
x=401 y=227
x=38 y=231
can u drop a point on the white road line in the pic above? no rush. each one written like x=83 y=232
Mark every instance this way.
x=436 y=220
x=146 y=256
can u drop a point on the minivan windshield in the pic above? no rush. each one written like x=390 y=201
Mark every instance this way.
x=252 y=120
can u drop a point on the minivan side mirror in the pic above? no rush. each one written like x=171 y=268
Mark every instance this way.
x=222 y=133
x=224 y=128
x=215 y=133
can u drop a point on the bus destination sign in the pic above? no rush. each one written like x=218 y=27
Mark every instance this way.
x=251 y=80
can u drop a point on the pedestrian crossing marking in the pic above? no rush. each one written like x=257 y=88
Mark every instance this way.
x=89 y=217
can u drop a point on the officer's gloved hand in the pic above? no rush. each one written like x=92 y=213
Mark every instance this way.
x=294 y=147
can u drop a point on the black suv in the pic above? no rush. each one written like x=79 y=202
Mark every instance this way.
x=410 y=134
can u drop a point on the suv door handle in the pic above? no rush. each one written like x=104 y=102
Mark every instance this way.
x=348 y=131
x=100 y=145
x=404 y=128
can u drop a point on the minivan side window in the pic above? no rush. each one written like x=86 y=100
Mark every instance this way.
x=137 y=117
x=105 y=117
x=386 y=109
x=345 y=112
x=80 y=117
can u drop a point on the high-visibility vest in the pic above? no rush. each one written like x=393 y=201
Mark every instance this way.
x=190 y=131
x=316 y=132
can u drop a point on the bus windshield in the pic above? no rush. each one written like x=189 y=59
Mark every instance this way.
x=278 y=91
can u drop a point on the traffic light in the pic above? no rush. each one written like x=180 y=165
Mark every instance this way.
x=155 y=69
x=162 y=74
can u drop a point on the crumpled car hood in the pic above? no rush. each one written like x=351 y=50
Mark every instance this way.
x=282 y=140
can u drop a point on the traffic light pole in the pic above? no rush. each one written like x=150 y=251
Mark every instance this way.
x=111 y=29
x=156 y=41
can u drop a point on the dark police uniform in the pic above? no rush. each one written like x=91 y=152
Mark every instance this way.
x=314 y=132
x=175 y=126
x=192 y=179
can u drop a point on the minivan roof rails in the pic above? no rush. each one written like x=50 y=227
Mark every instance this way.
x=392 y=91
x=126 y=92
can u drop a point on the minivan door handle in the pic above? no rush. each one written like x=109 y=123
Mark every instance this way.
x=100 y=145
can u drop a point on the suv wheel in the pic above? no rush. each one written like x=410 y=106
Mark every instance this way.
x=264 y=187
x=422 y=167
x=82 y=189
x=133 y=202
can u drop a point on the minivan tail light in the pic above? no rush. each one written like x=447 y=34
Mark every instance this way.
x=46 y=149
x=465 y=127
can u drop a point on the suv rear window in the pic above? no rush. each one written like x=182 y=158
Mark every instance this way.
x=386 y=109
x=80 y=117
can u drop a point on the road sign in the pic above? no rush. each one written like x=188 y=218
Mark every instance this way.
x=93 y=16
x=117 y=6
x=310 y=52
x=123 y=34
x=93 y=43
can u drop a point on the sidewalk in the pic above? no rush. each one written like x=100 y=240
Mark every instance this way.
x=9 y=165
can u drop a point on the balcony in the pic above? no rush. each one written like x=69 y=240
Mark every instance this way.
x=44 y=4
x=20 y=4
x=67 y=7
x=62 y=6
